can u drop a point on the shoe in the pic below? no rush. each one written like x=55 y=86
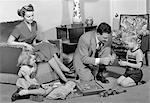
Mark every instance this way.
x=73 y=75
x=102 y=79
x=15 y=96
x=68 y=72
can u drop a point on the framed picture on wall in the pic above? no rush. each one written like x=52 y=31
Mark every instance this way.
x=137 y=24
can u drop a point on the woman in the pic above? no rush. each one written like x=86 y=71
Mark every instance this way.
x=25 y=35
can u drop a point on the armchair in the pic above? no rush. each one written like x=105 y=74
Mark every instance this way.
x=8 y=54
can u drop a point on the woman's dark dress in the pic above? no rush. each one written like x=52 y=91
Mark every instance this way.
x=44 y=50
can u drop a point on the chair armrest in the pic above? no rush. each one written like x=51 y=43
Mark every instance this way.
x=9 y=57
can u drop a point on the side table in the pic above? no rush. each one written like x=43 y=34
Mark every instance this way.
x=68 y=47
x=72 y=33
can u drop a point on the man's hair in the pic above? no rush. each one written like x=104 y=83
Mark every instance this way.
x=104 y=28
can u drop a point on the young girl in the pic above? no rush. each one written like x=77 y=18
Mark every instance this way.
x=27 y=71
x=27 y=80
x=134 y=63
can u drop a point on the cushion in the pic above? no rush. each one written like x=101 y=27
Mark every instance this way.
x=45 y=73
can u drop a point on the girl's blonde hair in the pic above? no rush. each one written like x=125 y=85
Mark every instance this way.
x=24 y=58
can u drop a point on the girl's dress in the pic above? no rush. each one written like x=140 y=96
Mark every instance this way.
x=21 y=81
x=134 y=57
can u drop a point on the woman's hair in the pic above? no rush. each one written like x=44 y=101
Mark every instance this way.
x=21 y=12
x=104 y=28
x=24 y=58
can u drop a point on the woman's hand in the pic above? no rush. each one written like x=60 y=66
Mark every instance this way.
x=33 y=75
x=28 y=46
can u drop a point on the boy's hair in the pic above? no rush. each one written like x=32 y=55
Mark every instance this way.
x=134 y=38
x=104 y=28
x=24 y=58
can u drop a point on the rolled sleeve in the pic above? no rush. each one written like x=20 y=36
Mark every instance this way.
x=97 y=61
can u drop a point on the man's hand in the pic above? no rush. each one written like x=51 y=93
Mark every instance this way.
x=105 y=60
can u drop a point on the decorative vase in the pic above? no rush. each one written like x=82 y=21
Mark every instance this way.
x=89 y=21
x=76 y=12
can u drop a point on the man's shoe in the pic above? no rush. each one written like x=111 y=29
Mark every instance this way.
x=102 y=79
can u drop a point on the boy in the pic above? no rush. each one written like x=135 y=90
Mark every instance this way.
x=134 y=62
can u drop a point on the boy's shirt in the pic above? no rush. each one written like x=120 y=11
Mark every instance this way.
x=135 y=56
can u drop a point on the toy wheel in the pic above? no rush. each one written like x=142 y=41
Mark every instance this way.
x=109 y=91
x=114 y=92
x=106 y=94
x=102 y=94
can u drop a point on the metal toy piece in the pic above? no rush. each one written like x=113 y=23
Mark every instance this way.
x=109 y=92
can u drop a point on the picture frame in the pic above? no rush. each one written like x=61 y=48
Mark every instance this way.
x=136 y=24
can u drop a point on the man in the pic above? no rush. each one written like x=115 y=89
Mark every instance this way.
x=85 y=60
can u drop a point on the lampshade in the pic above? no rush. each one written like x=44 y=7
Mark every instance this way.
x=76 y=12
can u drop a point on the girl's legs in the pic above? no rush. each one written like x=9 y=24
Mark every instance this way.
x=32 y=91
x=127 y=82
x=120 y=79
x=57 y=69
x=60 y=64
x=36 y=91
